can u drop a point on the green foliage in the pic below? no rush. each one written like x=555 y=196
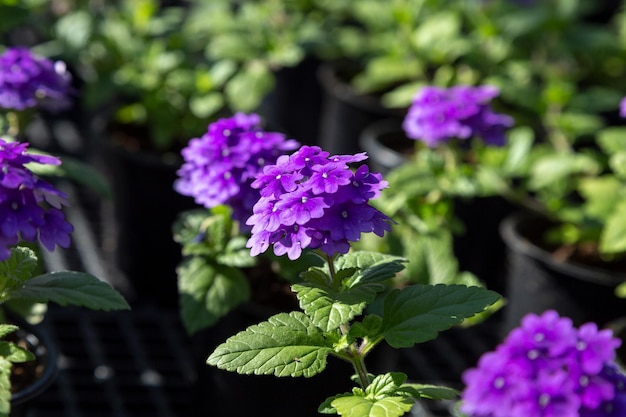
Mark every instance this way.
x=332 y=303
x=418 y=313
x=210 y=280
x=23 y=290
x=288 y=344
x=334 y=298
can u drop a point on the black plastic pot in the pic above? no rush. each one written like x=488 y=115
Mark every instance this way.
x=345 y=113
x=386 y=145
x=294 y=104
x=145 y=207
x=536 y=281
x=46 y=353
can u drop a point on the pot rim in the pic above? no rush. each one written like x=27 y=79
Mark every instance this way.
x=386 y=156
x=514 y=239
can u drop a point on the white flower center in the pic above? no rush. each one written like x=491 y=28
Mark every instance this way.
x=544 y=400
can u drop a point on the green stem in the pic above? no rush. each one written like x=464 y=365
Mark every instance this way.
x=357 y=359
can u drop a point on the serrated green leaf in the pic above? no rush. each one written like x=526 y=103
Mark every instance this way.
x=357 y=406
x=71 y=287
x=418 y=313
x=188 y=225
x=316 y=276
x=384 y=385
x=371 y=267
x=14 y=353
x=208 y=292
x=6 y=329
x=18 y=267
x=288 y=344
x=328 y=308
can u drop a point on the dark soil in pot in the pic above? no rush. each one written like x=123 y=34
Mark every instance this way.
x=30 y=379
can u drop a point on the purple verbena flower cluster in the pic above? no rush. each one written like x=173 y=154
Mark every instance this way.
x=29 y=206
x=313 y=200
x=28 y=80
x=439 y=115
x=548 y=368
x=622 y=107
x=220 y=166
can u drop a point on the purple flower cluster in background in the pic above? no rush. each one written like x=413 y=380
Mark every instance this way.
x=313 y=200
x=622 y=107
x=28 y=80
x=438 y=115
x=29 y=206
x=220 y=166
x=548 y=368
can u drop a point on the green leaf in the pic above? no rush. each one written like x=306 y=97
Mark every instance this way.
x=6 y=329
x=433 y=392
x=18 y=267
x=330 y=307
x=601 y=195
x=71 y=287
x=208 y=292
x=520 y=141
x=386 y=384
x=5 y=387
x=369 y=326
x=612 y=140
x=613 y=237
x=14 y=353
x=418 y=313
x=372 y=267
x=557 y=167
x=358 y=406
x=246 y=89
x=288 y=344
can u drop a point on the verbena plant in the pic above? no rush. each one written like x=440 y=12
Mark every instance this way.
x=312 y=202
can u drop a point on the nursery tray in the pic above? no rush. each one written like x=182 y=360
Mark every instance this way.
x=138 y=363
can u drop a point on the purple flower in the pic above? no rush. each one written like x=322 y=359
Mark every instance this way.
x=547 y=368
x=28 y=80
x=220 y=166
x=313 y=200
x=461 y=112
x=30 y=208
x=622 y=107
